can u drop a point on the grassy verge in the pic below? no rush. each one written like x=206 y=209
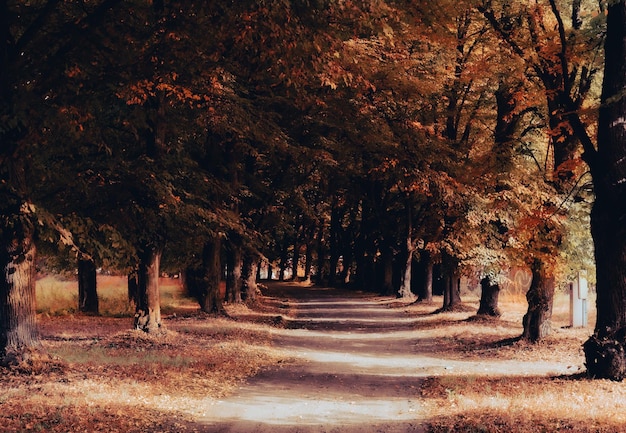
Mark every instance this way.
x=109 y=378
x=59 y=297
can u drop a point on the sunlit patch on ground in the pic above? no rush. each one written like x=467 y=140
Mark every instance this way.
x=308 y=361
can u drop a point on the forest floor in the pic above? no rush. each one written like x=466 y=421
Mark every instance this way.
x=307 y=359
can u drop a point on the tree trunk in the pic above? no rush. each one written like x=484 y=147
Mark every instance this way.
x=605 y=350
x=18 y=330
x=387 y=271
x=209 y=298
x=365 y=271
x=320 y=272
x=540 y=296
x=334 y=235
x=489 y=294
x=295 y=262
x=133 y=288
x=452 y=292
x=284 y=258
x=308 y=262
x=258 y=269
x=426 y=289
x=87 y=291
x=233 y=278
x=452 y=284
x=405 y=287
x=296 y=258
x=249 y=275
x=148 y=307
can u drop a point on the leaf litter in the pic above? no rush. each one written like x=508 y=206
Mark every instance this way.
x=101 y=376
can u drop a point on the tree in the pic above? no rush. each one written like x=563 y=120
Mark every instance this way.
x=605 y=350
x=563 y=58
x=36 y=39
x=87 y=291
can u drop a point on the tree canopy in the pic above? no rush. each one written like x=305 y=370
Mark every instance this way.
x=367 y=135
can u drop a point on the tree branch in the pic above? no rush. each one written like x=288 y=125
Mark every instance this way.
x=567 y=85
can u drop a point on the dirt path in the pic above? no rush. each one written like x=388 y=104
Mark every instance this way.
x=359 y=367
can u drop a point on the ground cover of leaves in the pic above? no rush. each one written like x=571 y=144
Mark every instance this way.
x=99 y=375
x=102 y=376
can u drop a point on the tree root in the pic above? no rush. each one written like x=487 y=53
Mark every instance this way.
x=605 y=357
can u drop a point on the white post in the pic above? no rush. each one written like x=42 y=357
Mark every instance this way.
x=578 y=301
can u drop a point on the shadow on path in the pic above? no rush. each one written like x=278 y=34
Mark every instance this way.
x=358 y=368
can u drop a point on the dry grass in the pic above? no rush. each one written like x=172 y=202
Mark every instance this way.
x=106 y=377
x=109 y=378
x=521 y=402
x=58 y=296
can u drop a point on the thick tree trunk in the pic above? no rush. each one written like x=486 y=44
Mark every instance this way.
x=452 y=284
x=18 y=330
x=425 y=293
x=452 y=292
x=209 y=298
x=148 y=307
x=540 y=296
x=87 y=290
x=605 y=351
x=233 y=277
x=249 y=275
x=489 y=294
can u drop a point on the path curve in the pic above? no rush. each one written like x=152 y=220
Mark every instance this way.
x=358 y=369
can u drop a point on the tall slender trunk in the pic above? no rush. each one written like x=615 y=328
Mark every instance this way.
x=405 y=287
x=296 y=260
x=540 y=296
x=308 y=262
x=87 y=286
x=284 y=258
x=335 y=235
x=18 y=330
x=320 y=272
x=148 y=307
